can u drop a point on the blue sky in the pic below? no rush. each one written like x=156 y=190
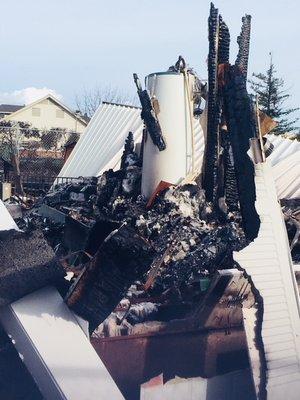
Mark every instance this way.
x=66 y=45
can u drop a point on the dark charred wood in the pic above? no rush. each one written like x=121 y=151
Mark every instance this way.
x=243 y=41
x=149 y=117
x=224 y=42
x=240 y=118
x=213 y=115
x=123 y=257
x=128 y=156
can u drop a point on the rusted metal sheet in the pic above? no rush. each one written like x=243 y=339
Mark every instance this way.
x=133 y=360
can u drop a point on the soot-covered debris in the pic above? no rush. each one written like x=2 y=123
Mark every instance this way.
x=189 y=231
x=186 y=240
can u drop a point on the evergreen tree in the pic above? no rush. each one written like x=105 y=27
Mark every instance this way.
x=271 y=98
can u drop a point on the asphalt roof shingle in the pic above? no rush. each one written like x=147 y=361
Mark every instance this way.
x=9 y=108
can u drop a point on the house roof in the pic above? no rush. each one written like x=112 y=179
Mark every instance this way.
x=9 y=108
x=54 y=100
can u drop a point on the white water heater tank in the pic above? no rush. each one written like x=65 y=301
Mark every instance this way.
x=172 y=94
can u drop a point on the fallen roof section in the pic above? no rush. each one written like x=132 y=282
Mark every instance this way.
x=103 y=140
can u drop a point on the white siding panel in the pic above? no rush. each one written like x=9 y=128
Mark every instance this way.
x=267 y=260
x=102 y=140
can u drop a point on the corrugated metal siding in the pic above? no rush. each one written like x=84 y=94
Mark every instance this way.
x=285 y=160
x=103 y=139
x=287 y=177
x=101 y=145
x=267 y=260
x=199 y=142
x=283 y=148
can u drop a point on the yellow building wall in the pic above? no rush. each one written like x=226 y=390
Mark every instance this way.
x=46 y=115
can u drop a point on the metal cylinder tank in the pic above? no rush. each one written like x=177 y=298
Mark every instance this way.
x=171 y=94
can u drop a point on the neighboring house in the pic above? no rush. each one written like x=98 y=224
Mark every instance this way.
x=7 y=109
x=45 y=113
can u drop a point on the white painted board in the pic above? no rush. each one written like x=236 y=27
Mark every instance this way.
x=55 y=350
x=6 y=220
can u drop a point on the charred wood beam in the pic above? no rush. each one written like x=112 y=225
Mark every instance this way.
x=224 y=42
x=128 y=150
x=240 y=118
x=149 y=117
x=243 y=41
x=231 y=192
x=211 y=149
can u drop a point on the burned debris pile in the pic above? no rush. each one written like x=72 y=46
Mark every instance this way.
x=161 y=251
x=140 y=250
x=169 y=247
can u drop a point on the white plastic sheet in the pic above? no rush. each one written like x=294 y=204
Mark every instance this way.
x=6 y=220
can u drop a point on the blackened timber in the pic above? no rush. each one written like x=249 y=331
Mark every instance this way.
x=243 y=41
x=211 y=149
x=224 y=42
x=128 y=151
x=123 y=257
x=241 y=127
x=149 y=117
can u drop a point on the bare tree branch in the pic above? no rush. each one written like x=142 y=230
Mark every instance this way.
x=89 y=100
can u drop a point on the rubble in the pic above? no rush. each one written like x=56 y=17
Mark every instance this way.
x=186 y=232
x=145 y=265
x=122 y=258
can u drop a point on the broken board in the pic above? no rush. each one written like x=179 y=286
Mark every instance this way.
x=55 y=350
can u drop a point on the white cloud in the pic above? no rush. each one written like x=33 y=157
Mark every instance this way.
x=27 y=95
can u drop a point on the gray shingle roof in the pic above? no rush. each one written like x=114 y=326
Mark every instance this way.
x=9 y=108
